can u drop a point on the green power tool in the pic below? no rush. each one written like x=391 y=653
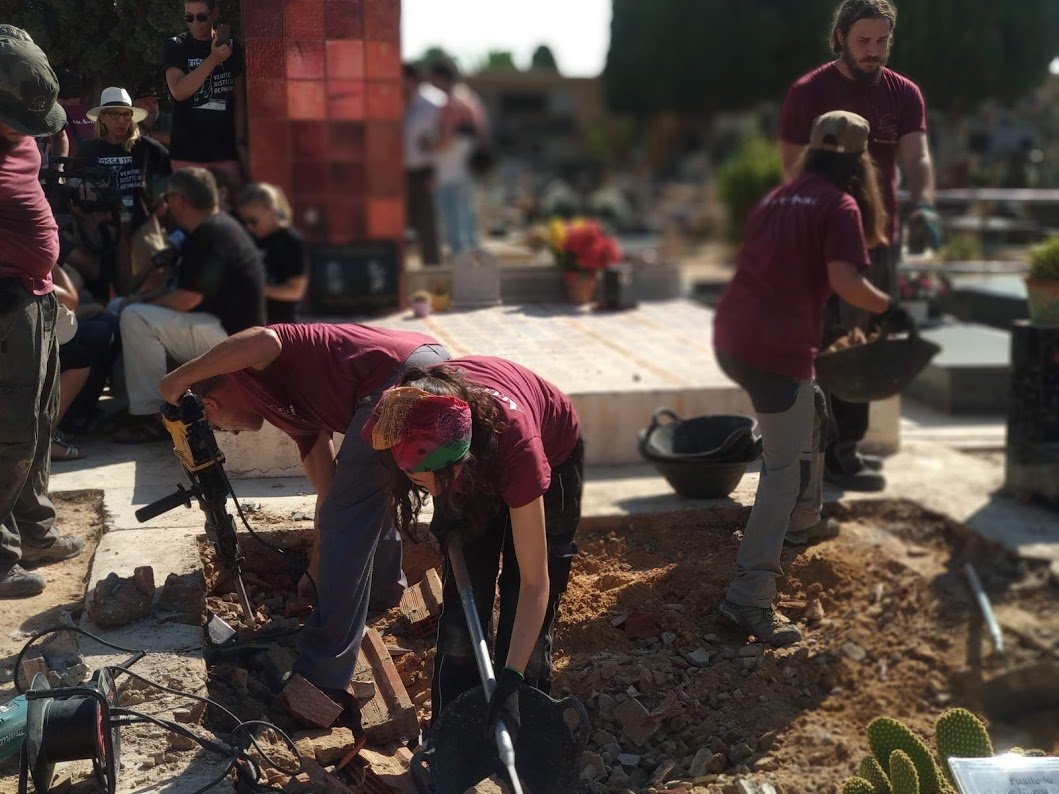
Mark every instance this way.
x=13 y=726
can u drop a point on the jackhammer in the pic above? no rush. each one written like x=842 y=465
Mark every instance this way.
x=196 y=447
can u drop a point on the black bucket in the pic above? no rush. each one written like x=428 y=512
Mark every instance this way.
x=704 y=457
x=874 y=370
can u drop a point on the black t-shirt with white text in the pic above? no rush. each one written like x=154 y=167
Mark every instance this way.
x=142 y=171
x=204 y=124
x=285 y=257
x=220 y=261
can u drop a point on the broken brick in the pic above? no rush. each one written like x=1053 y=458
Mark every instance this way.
x=389 y=715
x=362 y=684
x=421 y=604
x=29 y=669
x=641 y=625
x=326 y=745
x=307 y=704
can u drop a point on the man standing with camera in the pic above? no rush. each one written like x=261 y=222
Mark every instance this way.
x=29 y=355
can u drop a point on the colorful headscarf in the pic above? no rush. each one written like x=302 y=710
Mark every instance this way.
x=423 y=431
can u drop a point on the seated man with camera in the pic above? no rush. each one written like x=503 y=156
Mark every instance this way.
x=220 y=290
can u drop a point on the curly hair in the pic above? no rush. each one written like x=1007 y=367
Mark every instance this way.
x=477 y=499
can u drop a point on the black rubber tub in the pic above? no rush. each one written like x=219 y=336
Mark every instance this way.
x=704 y=457
x=875 y=370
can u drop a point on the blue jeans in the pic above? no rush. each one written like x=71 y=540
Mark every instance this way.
x=456 y=208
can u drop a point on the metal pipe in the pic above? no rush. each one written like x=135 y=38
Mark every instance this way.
x=987 y=609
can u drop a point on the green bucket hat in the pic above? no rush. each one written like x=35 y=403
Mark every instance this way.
x=28 y=86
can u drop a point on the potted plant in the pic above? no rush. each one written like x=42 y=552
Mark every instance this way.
x=1042 y=283
x=582 y=251
x=918 y=289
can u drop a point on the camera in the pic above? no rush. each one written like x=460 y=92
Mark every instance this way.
x=87 y=188
x=170 y=255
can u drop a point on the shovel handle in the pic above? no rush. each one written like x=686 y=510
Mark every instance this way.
x=505 y=744
x=987 y=609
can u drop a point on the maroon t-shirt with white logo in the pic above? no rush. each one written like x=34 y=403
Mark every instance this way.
x=29 y=237
x=541 y=426
x=893 y=107
x=771 y=314
x=323 y=371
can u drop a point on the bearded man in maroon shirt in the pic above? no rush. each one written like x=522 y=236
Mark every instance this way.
x=858 y=81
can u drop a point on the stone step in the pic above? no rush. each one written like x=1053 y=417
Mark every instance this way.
x=997 y=301
x=971 y=374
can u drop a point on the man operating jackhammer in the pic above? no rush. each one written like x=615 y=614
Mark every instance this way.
x=312 y=381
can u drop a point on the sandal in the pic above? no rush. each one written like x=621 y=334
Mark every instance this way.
x=61 y=449
x=145 y=431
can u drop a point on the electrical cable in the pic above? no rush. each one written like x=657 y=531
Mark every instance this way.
x=131 y=716
x=291 y=561
x=55 y=629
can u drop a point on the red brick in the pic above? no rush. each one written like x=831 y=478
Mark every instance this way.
x=382 y=60
x=389 y=715
x=421 y=604
x=307 y=704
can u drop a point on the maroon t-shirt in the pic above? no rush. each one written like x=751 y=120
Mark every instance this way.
x=771 y=314
x=79 y=128
x=541 y=426
x=893 y=107
x=323 y=371
x=29 y=237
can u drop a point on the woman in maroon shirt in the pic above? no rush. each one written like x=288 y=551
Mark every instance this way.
x=804 y=240
x=499 y=449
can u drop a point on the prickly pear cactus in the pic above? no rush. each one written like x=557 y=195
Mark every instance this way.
x=1030 y=753
x=903 y=775
x=886 y=734
x=870 y=770
x=857 y=785
x=960 y=734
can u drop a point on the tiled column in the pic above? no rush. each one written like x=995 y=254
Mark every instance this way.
x=323 y=81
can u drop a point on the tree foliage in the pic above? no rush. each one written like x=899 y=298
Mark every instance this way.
x=543 y=60
x=435 y=55
x=497 y=61
x=119 y=42
x=691 y=56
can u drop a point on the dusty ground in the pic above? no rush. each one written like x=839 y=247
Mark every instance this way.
x=80 y=513
x=889 y=629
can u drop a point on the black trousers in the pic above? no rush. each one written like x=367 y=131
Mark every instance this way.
x=422 y=213
x=455 y=669
x=849 y=421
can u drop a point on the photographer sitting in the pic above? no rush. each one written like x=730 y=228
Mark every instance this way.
x=141 y=166
x=220 y=290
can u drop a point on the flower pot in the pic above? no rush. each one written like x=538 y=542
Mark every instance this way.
x=1042 y=295
x=421 y=307
x=580 y=286
x=918 y=309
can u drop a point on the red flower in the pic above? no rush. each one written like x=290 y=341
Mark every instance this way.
x=591 y=248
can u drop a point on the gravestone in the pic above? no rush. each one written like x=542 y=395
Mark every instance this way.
x=475 y=280
x=362 y=278
x=1032 y=461
x=969 y=375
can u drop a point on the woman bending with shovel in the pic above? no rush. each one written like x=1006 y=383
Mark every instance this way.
x=499 y=449
x=804 y=240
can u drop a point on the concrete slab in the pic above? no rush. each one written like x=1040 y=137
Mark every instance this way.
x=970 y=375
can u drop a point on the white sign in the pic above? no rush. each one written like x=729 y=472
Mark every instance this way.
x=1006 y=774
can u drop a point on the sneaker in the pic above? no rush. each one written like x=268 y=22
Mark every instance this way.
x=65 y=547
x=822 y=530
x=20 y=583
x=765 y=623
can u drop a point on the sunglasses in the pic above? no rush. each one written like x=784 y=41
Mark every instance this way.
x=200 y=17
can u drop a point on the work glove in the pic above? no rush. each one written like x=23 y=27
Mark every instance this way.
x=931 y=225
x=896 y=319
x=504 y=703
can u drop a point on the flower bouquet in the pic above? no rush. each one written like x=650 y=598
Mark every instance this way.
x=582 y=251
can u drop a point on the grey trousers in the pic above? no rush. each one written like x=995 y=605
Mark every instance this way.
x=360 y=549
x=29 y=402
x=792 y=415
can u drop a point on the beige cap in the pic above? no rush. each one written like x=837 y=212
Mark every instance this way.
x=839 y=131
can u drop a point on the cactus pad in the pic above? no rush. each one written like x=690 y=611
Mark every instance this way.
x=886 y=734
x=903 y=776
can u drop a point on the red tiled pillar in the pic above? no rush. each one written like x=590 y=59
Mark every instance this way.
x=323 y=81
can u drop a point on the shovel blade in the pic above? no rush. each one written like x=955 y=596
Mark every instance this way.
x=553 y=735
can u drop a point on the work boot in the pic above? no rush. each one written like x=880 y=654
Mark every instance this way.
x=853 y=475
x=20 y=583
x=871 y=462
x=65 y=547
x=765 y=623
x=822 y=530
